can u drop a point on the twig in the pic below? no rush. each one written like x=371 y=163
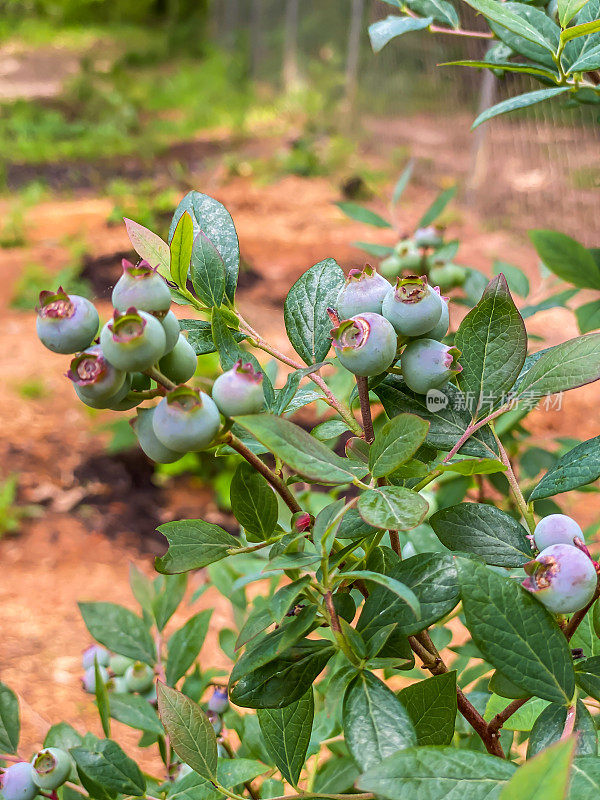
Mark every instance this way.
x=260 y=466
x=453 y=31
x=395 y=542
x=362 y=384
x=498 y=721
x=157 y=375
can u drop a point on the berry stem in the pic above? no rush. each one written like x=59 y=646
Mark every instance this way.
x=453 y=31
x=156 y=375
x=260 y=466
x=362 y=384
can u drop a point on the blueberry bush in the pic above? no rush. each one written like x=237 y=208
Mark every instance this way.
x=360 y=575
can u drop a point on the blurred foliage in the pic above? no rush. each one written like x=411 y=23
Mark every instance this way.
x=11 y=514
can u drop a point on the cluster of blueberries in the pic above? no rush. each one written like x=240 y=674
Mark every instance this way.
x=119 y=674
x=373 y=319
x=143 y=338
x=563 y=576
x=48 y=769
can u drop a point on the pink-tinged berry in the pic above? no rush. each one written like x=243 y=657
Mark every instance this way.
x=93 y=376
x=16 y=782
x=180 y=364
x=562 y=577
x=412 y=306
x=430 y=236
x=239 y=390
x=365 y=344
x=66 y=323
x=556 y=529
x=216 y=721
x=139 y=677
x=302 y=521
x=95 y=652
x=152 y=447
x=186 y=420
x=427 y=364
x=89 y=678
x=218 y=702
x=133 y=341
x=363 y=291
x=51 y=768
x=141 y=287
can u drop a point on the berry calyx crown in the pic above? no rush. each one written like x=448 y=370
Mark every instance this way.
x=87 y=367
x=139 y=271
x=350 y=333
x=412 y=289
x=55 y=305
x=247 y=371
x=127 y=326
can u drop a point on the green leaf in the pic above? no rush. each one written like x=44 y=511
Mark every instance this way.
x=376 y=723
x=566 y=366
x=473 y=466
x=433 y=579
x=431 y=705
x=541 y=22
x=185 y=644
x=559 y=300
x=587 y=674
x=213 y=219
x=301 y=451
x=191 y=734
x=520 y=101
x=566 y=258
x=362 y=214
x=106 y=764
x=200 y=336
x=484 y=531
x=585 y=29
x=436 y=208
x=253 y=503
x=284 y=680
x=585 y=779
x=567 y=10
x=120 y=630
x=305 y=310
x=102 y=699
x=286 y=732
x=384 y=30
x=494 y=10
x=403 y=180
x=447 y=423
x=579 y=467
x=193 y=544
x=493 y=344
x=516 y=634
x=330 y=429
x=439 y=10
x=507 y=66
x=167 y=601
x=588 y=316
x=392 y=584
x=10 y=725
x=149 y=246
x=284 y=598
x=396 y=442
x=433 y=773
x=545 y=777
x=207 y=271
x=587 y=61
x=550 y=724
x=372 y=249
x=518 y=282
x=181 y=250
x=232 y=772
x=135 y=711
x=393 y=507
x=523 y=719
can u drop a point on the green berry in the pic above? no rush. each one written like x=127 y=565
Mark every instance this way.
x=139 y=677
x=66 y=323
x=365 y=344
x=133 y=341
x=427 y=364
x=117 y=685
x=141 y=287
x=186 y=420
x=412 y=306
x=391 y=266
x=118 y=664
x=140 y=382
x=112 y=402
x=239 y=390
x=362 y=291
x=172 y=330
x=152 y=447
x=51 y=768
x=409 y=254
x=94 y=377
x=179 y=365
x=447 y=276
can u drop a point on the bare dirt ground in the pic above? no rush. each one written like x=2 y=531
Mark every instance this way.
x=68 y=554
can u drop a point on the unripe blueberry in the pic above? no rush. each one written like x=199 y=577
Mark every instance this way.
x=362 y=291
x=180 y=364
x=125 y=399
x=94 y=377
x=441 y=329
x=89 y=678
x=239 y=390
x=219 y=702
x=222 y=751
x=447 y=276
x=117 y=685
x=95 y=652
x=391 y=266
x=216 y=721
x=365 y=344
x=427 y=364
x=133 y=341
x=66 y=323
x=51 y=768
x=172 y=330
x=141 y=287
x=562 y=577
x=140 y=382
x=117 y=401
x=556 y=529
x=139 y=677
x=144 y=430
x=151 y=695
x=428 y=237
x=412 y=306
x=186 y=420
x=409 y=254
x=118 y=664
x=17 y=782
